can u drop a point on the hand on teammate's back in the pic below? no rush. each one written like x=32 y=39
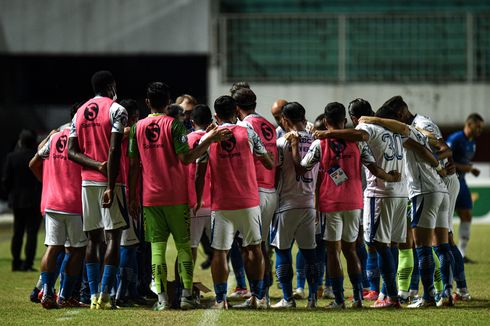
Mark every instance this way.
x=217 y=135
x=450 y=168
x=475 y=172
x=321 y=134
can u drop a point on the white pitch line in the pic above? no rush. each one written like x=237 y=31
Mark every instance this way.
x=210 y=317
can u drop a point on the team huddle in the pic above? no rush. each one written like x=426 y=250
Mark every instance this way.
x=383 y=194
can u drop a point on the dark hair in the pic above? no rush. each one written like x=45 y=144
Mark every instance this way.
x=130 y=105
x=335 y=112
x=294 y=111
x=101 y=80
x=225 y=107
x=238 y=85
x=245 y=98
x=396 y=102
x=159 y=94
x=175 y=110
x=27 y=138
x=201 y=115
x=74 y=108
x=187 y=97
x=387 y=112
x=360 y=107
x=474 y=117
x=320 y=122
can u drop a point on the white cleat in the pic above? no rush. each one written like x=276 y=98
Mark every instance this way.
x=299 y=293
x=284 y=304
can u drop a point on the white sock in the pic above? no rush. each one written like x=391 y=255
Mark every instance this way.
x=162 y=297
x=39 y=284
x=464 y=236
x=186 y=292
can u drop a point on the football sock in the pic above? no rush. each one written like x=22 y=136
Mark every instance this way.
x=464 y=236
x=372 y=271
x=405 y=268
x=237 y=265
x=426 y=269
x=61 y=261
x=446 y=259
x=387 y=270
x=356 y=281
x=338 y=289
x=362 y=254
x=93 y=277
x=310 y=271
x=159 y=266
x=186 y=264
x=284 y=272
x=320 y=260
x=414 y=282
x=48 y=279
x=69 y=283
x=458 y=271
x=256 y=288
x=300 y=270
x=108 y=278
x=437 y=274
x=220 y=289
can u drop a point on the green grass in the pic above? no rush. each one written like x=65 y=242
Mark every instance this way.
x=15 y=308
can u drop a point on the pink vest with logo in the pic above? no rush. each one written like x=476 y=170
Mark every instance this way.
x=164 y=175
x=62 y=177
x=267 y=133
x=233 y=179
x=193 y=139
x=94 y=127
x=348 y=195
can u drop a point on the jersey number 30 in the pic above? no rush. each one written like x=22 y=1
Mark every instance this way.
x=395 y=146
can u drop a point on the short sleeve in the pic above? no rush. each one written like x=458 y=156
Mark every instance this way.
x=73 y=127
x=281 y=145
x=179 y=136
x=44 y=151
x=133 y=143
x=417 y=136
x=369 y=129
x=119 y=118
x=313 y=156
x=367 y=157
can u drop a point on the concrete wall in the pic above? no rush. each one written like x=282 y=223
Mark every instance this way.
x=104 y=26
x=447 y=104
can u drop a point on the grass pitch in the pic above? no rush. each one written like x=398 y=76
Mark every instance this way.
x=15 y=307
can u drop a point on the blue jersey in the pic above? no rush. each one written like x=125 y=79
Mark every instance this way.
x=463 y=148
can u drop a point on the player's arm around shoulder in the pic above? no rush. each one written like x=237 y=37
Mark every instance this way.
x=259 y=150
x=394 y=126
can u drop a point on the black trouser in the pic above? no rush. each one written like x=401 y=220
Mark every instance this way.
x=26 y=220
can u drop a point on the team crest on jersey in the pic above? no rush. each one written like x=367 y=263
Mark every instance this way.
x=152 y=132
x=61 y=144
x=267 y=131
x=229 y=144
x=91 y=111
x=183 y=139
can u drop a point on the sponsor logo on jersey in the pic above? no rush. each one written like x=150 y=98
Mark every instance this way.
x=91 y=111
x=267 y=131
x=152 y=132
x=61 y=144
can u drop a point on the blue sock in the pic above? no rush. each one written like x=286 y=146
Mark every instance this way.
x=133 y=282
x=48 y=279
x=300 y=270
x=69 y=283
x=372 y=271
x=426 y=269
x=387 y=270
x=338 y=289
x=237 y=265
x=93 y=277
x=320 y=260
x=356 y=281
x=310 y=271
x=394 y=253
x=446 y=259
x=124 y=272
x=108 y=278
x=256 y=288
x=414 y=282
x=61 y=261
x=458 y=271
x=266 y=283
x=220 y=289
x=362 y=254
x=284 y=272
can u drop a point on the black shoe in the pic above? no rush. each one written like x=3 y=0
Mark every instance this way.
x=34 y=295
x=466 y=260
x=206 y=264
x=17 y=266
x=29 y=269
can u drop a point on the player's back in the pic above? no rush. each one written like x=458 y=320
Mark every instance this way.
x=295 y=191
x=387 y=150
x=233 y=179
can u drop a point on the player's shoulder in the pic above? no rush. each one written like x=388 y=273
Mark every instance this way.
x=456 y=136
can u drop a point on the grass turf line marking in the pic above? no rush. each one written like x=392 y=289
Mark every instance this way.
x=210 y=317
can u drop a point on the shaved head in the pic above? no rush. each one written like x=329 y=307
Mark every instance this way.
x=277 y=109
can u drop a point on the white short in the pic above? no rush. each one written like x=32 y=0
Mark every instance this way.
x=452 y=184
x=96 y=217
x=320 y=223
x=268 y=205
x=64 y=230
x=385 y=219
x=430 y=210
x=198 y=226
x=294 y=224
x=226 y=223
x=128 y=236
x=342 y=225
